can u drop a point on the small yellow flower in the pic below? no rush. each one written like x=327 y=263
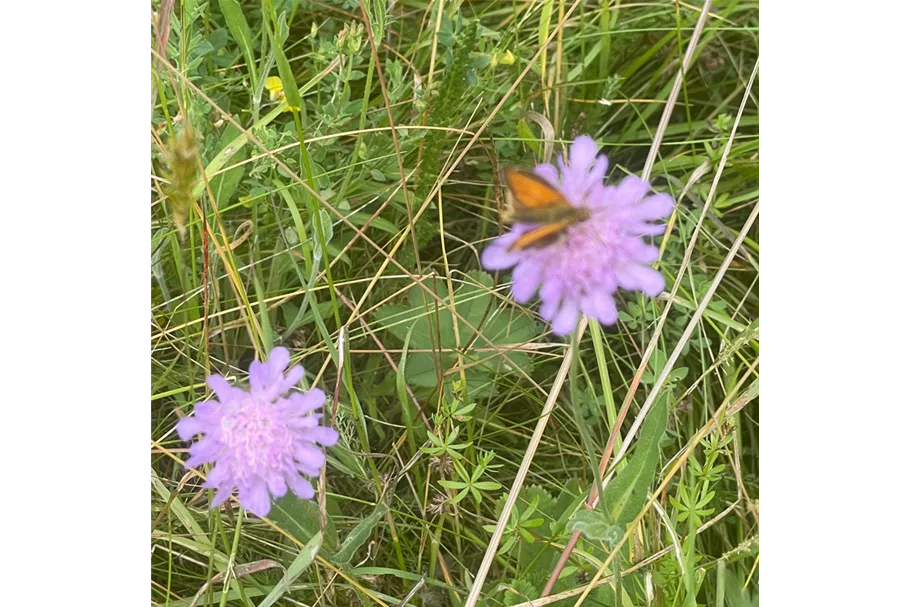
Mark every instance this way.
x=508 y=58
x=276 y=92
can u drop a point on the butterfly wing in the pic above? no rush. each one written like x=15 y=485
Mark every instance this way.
x=532 y=194
x=540 y=236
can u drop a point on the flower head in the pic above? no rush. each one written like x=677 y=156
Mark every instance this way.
x=581 y=272
x=276 y=91
x=261 y=441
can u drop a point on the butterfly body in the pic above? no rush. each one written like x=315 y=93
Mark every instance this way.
x=532 y=199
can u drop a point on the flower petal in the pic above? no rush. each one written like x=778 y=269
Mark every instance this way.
x=255 y=498
x=278 y=359
x=582 y=153
x=197 y=460
x=202 y=452
x=601 y=305
x=189 y=427
x=300 y=486
x=658 y=206
x=548 y=172
x=208 y=410
x=218 y=476
x=277 y=486
x=322 y=435
x=310 y=458
x=525 y=280
x=596 y=175
x=299 y=404
x=498 y=256
x=551 y=294
x=629 y=191
x=220 y=386
x=635 y=277
x=221 y=495
x=295 y=374
x=566 y=318
x=259 y=376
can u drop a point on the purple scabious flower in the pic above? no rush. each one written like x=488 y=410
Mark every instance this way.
x=581 y=272
x=261 y=441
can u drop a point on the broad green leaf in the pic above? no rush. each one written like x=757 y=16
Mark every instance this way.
x=300 y=518
x=224 y=184
x=479 y=309
x=277 y=36
x=359 y=535
x=626 y=494
x=237 y=23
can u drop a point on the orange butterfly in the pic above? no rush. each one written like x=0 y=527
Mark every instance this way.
x=533 y=200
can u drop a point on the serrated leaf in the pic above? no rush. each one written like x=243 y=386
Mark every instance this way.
x=520 y=591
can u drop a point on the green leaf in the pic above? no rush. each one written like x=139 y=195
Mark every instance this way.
x=297 y=567
x=179 y=509
x=465 y=410
x=359 y=535
x=626 y=494
x=326 y=224
x=460 y=496
x=379 y=223
x=224 y=184
x=400 y=384
x=595 y=526
x=300 y=518
x=528 y=137
x=277 y=37
x=234 y=17
x=480 y=61
x=218 y=38
x=488 y=485
x=474 y=302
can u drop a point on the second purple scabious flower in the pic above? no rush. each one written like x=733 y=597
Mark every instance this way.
x=580 y=273
x=261 y=441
